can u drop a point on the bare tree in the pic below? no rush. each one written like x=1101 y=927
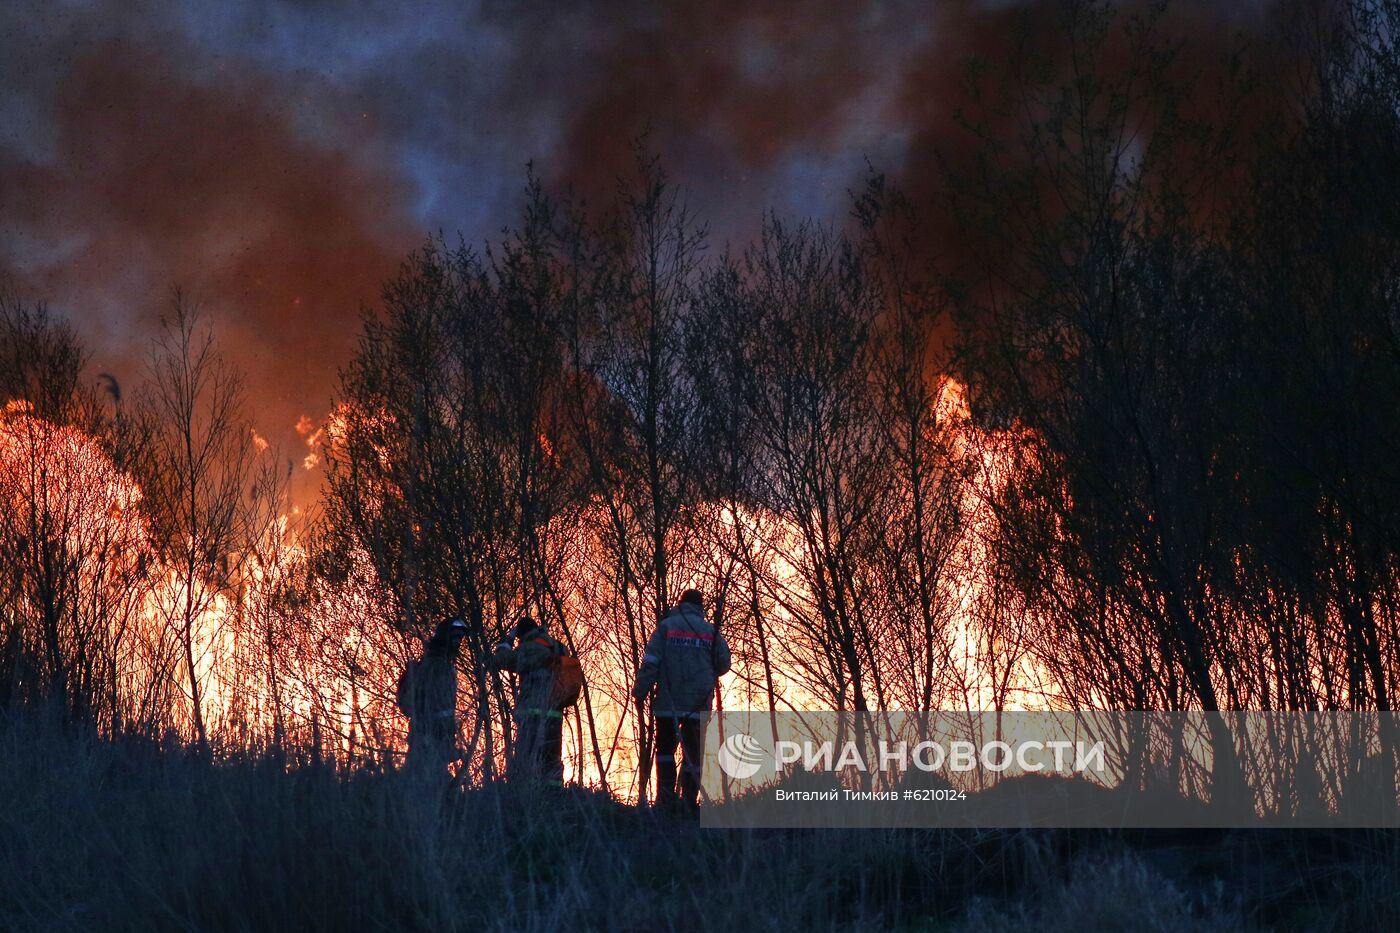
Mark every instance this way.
x=195 y=470
x=632 y=404
x=1097 y=334
x=71 y=531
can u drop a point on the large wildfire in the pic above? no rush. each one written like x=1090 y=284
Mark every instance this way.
x=1075 y=409
x=286 y=658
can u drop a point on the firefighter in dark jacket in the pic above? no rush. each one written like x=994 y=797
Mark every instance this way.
x=684 y=659
x=428 y=696
x=529 y=651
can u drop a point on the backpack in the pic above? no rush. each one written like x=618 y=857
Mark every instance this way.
x=567 y=680
x=408 y=680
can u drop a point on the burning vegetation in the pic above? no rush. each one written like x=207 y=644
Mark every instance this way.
x=1097 y=447
x=1096 y=409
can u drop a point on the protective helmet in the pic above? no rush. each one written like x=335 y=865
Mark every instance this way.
x=450 y=628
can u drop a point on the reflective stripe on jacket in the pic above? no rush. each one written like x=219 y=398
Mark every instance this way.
x=684 y=657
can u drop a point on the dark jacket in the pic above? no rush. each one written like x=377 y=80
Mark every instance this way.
x=432 y=701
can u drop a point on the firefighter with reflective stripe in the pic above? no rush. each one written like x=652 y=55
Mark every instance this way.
x=529 y=651
x=427 y=694
x=684 y=659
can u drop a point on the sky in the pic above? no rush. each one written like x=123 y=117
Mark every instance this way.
x=277 y=160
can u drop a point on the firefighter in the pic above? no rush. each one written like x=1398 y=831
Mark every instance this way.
x=533 y=654
x=684 y=659
x=427 y=695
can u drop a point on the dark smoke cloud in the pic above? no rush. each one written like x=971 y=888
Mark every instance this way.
x=277 y=159
x=742 y=97
x=149 y=169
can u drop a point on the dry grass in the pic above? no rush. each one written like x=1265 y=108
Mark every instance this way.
x=100 y=836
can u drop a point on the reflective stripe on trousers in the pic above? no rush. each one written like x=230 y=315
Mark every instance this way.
x=689 y=734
